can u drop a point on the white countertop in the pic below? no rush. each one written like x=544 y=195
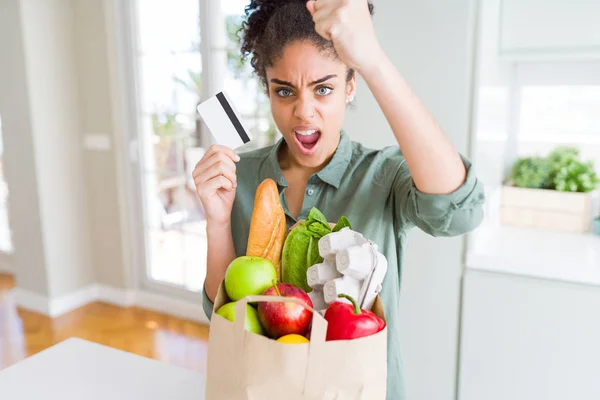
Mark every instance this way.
x=561 y=256
x=76 y=369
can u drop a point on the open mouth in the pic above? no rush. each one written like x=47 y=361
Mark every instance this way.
x=307 y=140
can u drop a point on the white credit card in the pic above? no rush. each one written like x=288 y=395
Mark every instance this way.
x=223 y=122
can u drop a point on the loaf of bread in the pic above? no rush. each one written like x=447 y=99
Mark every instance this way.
x=268 y=225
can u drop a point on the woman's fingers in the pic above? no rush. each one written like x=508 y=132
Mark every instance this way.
x=207 y=163
x=224 y=149
x=221 y=166
x=326 y=16
x=214 y=149
x=311 y=6
x=328 y=27
x=214 y=171
x=324 y=7
x=213 y=185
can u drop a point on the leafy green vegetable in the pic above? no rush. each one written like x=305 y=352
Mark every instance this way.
x=319 y=229
x=301 y=248
x=342 y=223
x=300 y=252
x=314 y=215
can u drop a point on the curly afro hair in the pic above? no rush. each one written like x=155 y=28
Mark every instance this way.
x=270 y=25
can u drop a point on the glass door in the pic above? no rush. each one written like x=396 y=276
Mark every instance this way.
x=168 y=67
x=173 y=71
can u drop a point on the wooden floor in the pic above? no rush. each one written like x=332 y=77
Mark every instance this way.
x=150 y=334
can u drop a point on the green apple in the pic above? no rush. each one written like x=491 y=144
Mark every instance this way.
x=248 y=275
x=252 y=323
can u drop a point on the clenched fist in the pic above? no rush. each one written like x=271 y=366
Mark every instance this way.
x=348 y=24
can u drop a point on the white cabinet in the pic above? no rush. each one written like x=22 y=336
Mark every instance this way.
x=549 y=26
x=528 y=339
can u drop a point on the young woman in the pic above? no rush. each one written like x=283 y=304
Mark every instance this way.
x=307 y=54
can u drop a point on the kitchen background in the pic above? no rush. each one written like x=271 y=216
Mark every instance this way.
x=99 y=136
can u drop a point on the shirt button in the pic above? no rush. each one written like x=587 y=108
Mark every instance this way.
x=310 y=192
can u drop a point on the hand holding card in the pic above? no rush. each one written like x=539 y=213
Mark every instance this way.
x=216 y=181
x=223 y=122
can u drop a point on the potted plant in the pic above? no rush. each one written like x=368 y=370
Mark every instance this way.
x=553 y=192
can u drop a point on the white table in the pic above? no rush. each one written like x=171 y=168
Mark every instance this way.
x=76 y=369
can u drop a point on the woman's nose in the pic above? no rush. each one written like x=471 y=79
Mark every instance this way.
x=304 y=109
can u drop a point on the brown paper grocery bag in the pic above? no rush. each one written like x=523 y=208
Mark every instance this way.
x=245 y=366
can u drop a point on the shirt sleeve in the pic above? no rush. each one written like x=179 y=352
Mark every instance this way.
x=449 y=214
x=207 y=305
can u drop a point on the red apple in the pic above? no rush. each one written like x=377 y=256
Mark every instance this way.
x=280 y=319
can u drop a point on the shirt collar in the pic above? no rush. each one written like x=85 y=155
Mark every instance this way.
x=336 y=168
x=333 y=172
x=274 y=168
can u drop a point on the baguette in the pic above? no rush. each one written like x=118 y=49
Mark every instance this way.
x=267 y=226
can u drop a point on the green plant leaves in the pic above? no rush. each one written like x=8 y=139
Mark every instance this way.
x=314 y=215
x=563 y=170
x=532 y=172
x=342 y=223
x=301 y=247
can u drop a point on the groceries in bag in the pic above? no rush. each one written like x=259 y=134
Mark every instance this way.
x=272 y=331
x=248 y=276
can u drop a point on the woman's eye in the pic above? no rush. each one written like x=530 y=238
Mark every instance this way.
x=284 y=92
x=324 y=91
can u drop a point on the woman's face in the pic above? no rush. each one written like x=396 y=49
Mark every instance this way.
x=308 y=92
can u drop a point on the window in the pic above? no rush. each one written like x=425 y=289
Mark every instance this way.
x=245 y=89
x=559 y=104
x=170 y=82
x=560 y=112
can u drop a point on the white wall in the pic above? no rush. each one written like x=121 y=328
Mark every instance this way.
x=551 y=27
x=19 y=157
x=55 y=84
x=430 y=42
x=42 y=135
x=48 y=39
x=99 y=165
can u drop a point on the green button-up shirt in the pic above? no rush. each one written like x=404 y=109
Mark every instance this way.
x=375 y=190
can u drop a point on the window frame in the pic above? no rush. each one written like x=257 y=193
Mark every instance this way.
x=126 y=102
x=128 y=113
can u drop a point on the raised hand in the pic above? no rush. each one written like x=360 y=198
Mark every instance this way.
x=216 y=182
x=348 y=24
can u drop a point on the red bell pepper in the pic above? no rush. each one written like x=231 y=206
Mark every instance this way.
x=347 y=321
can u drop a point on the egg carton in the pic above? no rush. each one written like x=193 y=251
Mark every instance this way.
x=351 y=265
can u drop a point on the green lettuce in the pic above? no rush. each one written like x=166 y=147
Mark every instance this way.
x=342 y=223
x=301 y=249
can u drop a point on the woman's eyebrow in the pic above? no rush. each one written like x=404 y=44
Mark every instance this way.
x=320 y=80
x=323 y=79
